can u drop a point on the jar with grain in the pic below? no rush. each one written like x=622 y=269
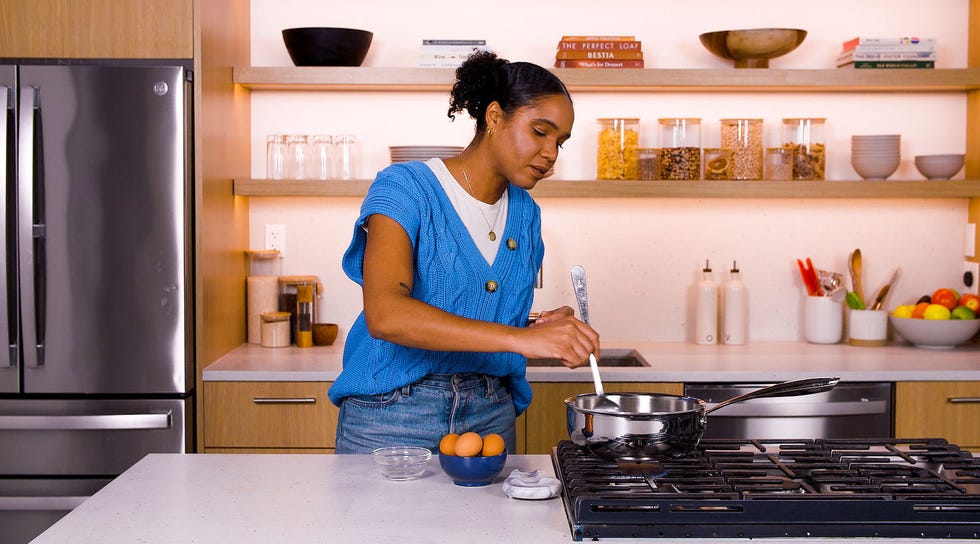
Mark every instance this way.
x=616 y=149
x=647 y=163
x=680 y=148
x=744 y=138
x=804 y=136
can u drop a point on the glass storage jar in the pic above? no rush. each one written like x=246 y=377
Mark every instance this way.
x=718 y=163
x=616 y=148
x=744 y=138
x=805 y=137
x=779 y=163
x=680 y=148
x=647 y=163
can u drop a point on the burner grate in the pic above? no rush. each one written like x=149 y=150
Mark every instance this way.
x=750 y=488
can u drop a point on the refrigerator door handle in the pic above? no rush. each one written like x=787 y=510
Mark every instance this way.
x=6 y=106
x=114 y=422
x=25 y=224
x=50 y=504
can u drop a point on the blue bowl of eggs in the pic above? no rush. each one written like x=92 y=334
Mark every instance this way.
x=472 y=471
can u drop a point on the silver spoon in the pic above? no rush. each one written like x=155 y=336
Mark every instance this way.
x=578 y=284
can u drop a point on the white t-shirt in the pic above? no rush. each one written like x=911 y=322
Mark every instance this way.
x=479 y=217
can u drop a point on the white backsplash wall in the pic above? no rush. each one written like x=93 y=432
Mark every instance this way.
x=642 y=255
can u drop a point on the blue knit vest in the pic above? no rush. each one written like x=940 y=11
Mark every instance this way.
x=450 y=274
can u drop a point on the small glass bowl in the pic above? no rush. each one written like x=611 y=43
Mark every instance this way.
x=402 y=462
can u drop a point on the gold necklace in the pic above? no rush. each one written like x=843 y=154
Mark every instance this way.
x=491 y=235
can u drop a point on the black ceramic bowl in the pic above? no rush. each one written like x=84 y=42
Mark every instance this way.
x=327 y=46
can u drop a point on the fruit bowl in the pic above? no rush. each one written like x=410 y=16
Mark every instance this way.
x=752 y=48
x=472 y=471
x=935 y=333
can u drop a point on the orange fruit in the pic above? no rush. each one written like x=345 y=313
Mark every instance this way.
x=920 y=310
x=493 y=444
x=468 y=444
x=447 y=446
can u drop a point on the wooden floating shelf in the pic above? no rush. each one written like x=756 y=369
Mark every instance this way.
x=654 y=189
x=621 y=80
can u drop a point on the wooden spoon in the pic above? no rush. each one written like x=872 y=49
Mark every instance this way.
x=855 y=266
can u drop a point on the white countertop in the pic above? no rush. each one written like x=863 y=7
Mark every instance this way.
x=669 y=362
x=250 y=499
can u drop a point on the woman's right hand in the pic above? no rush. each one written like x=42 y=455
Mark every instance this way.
x=561 y=337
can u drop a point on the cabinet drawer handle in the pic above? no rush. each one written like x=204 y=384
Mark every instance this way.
x=963 y=400
x=288 y=400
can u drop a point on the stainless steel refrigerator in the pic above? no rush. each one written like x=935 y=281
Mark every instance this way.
x=96 y=298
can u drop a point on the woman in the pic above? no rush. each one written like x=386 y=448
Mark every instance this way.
x=446 y=253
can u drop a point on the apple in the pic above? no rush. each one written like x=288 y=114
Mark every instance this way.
x=971 y=301
x=962 y=312
x=946 y=297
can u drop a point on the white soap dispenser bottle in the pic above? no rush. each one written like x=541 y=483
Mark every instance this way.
x=735 y=308
x=706 y=312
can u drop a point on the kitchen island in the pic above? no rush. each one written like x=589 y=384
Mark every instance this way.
x=245 y=499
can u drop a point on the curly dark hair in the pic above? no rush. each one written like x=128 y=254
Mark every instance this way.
x=483 y=78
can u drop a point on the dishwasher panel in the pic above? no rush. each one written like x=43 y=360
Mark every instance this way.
x=850 y=410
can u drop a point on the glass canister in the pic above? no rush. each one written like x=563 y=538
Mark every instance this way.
x=289 y=287
x=647 y=163
x=779 y=163
x=744 y=138
x=805 y=137
x=616 y=149
x=680 y=148
x=304 y=315
x=718 y=163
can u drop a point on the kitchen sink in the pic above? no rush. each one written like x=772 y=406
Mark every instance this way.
x=607 y=357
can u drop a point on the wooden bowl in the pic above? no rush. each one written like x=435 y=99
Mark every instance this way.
x=324 y=334
x=752 y=48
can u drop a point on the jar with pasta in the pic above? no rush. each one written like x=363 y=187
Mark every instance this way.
x=680 y=148
x=718 y=163
x=804 y=136
x=616 y=150
x=743 y=137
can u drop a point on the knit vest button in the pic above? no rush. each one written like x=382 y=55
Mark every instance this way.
x=511 y=244
x=490 y=286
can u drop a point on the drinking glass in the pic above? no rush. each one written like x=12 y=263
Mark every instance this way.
x=323 y=152
x=298 y=163
x=275 y=156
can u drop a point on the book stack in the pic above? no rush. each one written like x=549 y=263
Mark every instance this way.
x=445 y=53
x=906 y=52
x=599 y=52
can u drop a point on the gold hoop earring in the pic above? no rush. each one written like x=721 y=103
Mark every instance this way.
x=489 y=132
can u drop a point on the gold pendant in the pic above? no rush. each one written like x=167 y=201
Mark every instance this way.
x=493 y=236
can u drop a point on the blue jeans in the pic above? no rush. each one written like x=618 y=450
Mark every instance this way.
x=420 y=414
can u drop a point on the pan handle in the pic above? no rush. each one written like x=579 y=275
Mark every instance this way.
x=806 y=386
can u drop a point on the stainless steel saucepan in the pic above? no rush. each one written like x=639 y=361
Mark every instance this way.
x=655 y=427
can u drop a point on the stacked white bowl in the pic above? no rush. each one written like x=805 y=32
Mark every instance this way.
x=876 y=156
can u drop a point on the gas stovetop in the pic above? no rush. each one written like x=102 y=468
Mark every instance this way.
x=924 y=488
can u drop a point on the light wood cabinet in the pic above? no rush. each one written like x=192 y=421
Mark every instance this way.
x=543 y=424
x=97 y=29
x=268 y=417
x=949 y=410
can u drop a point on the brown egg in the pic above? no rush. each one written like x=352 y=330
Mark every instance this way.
x=468 y=445
x=493 y=444
x=447 y=446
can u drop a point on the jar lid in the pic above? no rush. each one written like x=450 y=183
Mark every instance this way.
x=271 y=317
x=736 y=119
x=801 y=119
x=626 y=119
x=263 y=253
x=677 y=120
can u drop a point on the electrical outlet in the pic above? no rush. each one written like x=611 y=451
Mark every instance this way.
x=275 y=238
x=974 y=269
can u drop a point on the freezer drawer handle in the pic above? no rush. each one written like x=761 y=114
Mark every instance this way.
x=287 y=400
x=108 y=422
x=54 y=504
x=963 y=400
